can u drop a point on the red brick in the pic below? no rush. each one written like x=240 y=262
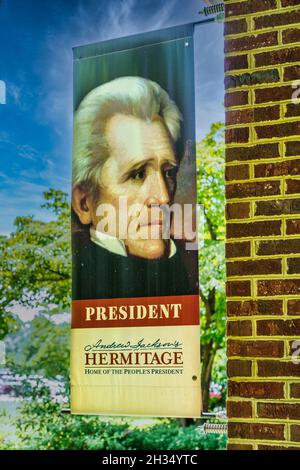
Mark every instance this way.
x=244 y=8
x=294 y=206
x=278 y=130
x=281 y=19
x=293 y=227
x=269 y=113
x=293 y=186
x=288 y=167
x=256 y=431
x=280 y=93
x=293 y=265
x=292 y=72
x=254 y=152
x=239 y=447
x=254 y=307
x=279 y=287
x=238 y=289
x=239 y=116
x=239 y=210
x=239 y=328
x=275 y=207
x=237 y=172
x=293 y=307
x=291 y=35
x=239 y=368
x=278 y=247
x=278 y=369
x=237 y=98
x=276 y=362
x=253 y=78
x=292 y=54
x=294 y=350
x=278 y=328
x=289 y=3
x=281 y=206
x=255 y=188
x=235 y=27
x=292 y=110
x=247 y=43
x=256 y=389
x=292 y=149
x=255 y=348
x=269 y=447
x=239 y=409
x=253 y=229
x=236 y=62
x=295 y=432
x=237 y=250
x=295 y=391
x=237 y=135
x=256 y=267
x=278 y=410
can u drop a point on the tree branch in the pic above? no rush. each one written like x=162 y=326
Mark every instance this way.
x=212 y=233
x=207 y=307
x=64 y=276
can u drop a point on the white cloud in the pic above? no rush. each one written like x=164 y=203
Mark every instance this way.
x=25 y=313
x=90 y=24
x=28 y=152
x=19 y=197
x=15 y=92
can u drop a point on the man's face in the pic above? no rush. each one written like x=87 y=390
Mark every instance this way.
x=141 y=168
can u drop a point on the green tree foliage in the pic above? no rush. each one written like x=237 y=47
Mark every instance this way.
x=35 y=262
x=40 y=346
x=211 y=195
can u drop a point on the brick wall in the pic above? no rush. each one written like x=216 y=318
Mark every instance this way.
x=262 y=47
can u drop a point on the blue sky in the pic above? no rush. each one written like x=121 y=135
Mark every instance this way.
x=36 y=40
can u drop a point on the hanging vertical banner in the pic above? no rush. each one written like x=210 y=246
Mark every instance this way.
x=135 y=346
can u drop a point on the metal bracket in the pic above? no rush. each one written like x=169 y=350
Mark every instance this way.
x=216 y=9
x=212 y=9
x=218 y=415
x=215 y=428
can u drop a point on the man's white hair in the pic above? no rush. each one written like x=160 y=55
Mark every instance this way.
x=133 y=96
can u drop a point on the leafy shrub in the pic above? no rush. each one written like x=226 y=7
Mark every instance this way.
x=95 y=433
x=43 y=426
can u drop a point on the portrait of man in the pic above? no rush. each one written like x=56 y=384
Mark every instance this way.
x=126 y=157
